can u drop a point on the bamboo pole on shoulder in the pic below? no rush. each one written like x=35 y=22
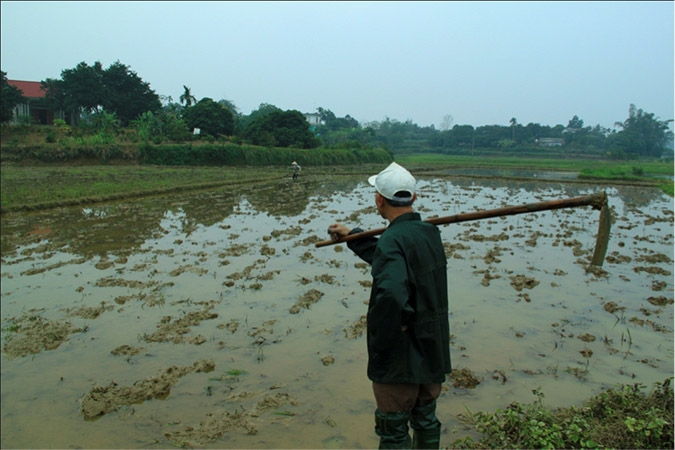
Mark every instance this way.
x=597 y=201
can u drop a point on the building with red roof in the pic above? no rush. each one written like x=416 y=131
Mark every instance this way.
x=35 y=106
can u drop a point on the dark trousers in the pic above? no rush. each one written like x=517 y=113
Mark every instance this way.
x=404 y=397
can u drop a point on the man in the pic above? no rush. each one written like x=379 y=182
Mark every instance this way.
x=407 y=321
x=295 y=167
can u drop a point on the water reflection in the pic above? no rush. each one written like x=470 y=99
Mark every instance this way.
x=122 y=227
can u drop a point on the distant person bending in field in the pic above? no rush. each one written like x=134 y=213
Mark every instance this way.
x=295 y=167
x=407 y=321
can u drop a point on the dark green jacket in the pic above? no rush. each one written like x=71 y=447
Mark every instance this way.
x=408 y=331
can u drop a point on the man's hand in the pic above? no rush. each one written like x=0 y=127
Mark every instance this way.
x=337 y=231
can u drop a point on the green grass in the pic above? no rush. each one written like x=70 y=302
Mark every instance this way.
x=34 y=187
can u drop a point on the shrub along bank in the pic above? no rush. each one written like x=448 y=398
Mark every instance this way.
x=249 y=155
x=189 y=154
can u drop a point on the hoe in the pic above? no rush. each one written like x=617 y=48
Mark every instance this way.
x=597 y=201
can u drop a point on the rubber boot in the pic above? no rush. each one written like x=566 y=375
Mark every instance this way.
x=426 y=427
x=392 y=428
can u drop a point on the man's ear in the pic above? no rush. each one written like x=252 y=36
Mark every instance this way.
x=379 y=200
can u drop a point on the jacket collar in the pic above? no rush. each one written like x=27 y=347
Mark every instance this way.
x=407 y=217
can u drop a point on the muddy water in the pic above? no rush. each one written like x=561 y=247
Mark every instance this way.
x=210 y=320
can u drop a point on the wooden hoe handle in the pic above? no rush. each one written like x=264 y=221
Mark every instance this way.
x=597 y=201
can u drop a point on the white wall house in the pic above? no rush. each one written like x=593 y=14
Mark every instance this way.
x=314 y=119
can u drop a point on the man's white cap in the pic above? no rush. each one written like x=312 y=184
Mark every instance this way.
x=394 y=180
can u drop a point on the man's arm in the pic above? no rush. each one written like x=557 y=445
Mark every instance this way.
x=364 y=248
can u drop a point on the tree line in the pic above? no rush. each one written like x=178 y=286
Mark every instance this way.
x=116 y=97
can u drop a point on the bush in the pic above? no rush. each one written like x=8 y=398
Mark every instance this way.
x=623 y=417
x=233 y=154
x=62 y=153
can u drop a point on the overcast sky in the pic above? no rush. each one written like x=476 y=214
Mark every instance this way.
x=480 y=62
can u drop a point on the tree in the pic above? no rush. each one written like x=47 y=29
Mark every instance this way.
x=513 y=123
x=210 y=117
x=243 y=122
x=187 y=98
x=642 y=134
x=117 y=89
x=9 y=98
x=126 y=94
x=281 y=129
x=157 y=127
x=229 y=105
x=82 y=87
x=575 y=123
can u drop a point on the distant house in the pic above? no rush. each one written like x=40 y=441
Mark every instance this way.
x=314 y=119
x=550 y=142
x=35 y=106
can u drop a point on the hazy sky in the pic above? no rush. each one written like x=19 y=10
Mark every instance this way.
x=481 y=62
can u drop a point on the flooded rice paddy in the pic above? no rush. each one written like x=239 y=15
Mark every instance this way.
x=210 y=320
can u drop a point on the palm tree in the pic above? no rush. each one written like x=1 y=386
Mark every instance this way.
x=187 y=97
x=513 y=123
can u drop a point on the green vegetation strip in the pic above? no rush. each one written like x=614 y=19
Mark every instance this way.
x=638 y=172
x=29 y=188
x=645 y=168
x=46 y=186
x=622 y=417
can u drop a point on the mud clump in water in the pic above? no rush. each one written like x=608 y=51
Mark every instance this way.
x=212 y=428
x=612 y=307
x=660 y=301
x=188 y=268
x=487 y=277
x=104 y=399
x=356 y=329
x=112 y=281
x=520 y=282
x=89 y=312
x=309 y=298
x=586 y=337
x=170 y=330
x=655 y=259
x=126 y=350
x=54 y=266
x=658 y=285
x=451 y=250
x=218 y=423
x=327 y=360
x=651 y=270
x=464 y=378
x=35 y=334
